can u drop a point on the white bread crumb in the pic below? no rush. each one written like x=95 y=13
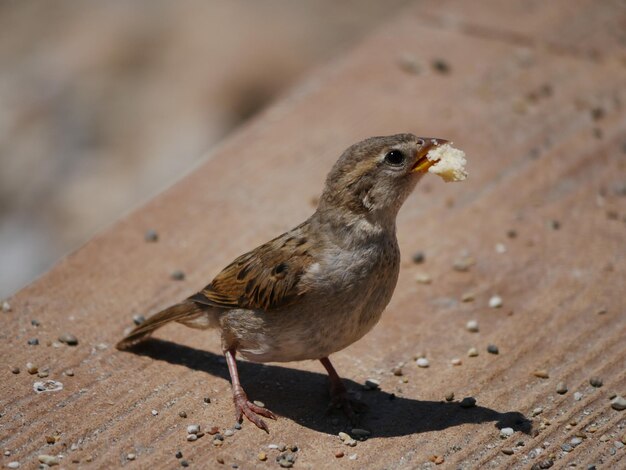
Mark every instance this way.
x=450 y=163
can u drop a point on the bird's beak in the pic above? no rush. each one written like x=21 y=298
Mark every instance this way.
x=422 y=163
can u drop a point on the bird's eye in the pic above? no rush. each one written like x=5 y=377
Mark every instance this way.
x=395 y=157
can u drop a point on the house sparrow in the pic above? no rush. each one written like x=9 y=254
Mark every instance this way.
x=321 y=286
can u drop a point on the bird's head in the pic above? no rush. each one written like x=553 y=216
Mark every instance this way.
x=372 y=178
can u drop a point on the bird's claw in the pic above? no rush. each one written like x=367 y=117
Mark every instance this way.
x=244 y=407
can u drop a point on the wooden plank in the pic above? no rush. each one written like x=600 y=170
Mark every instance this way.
x=540 y=151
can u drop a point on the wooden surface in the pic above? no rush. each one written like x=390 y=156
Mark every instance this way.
x=535 y=95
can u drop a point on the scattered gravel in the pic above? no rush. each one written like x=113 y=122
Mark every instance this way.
x=472 y=352
x=507 y=451
x=182 y=414
x=257 y=403
x=192 y=437
x=468 y=402
x=566 y=447
x=493 y=349
x=13 y=464
x=541 y=373
x=151 y=235
x=360 y=433
x=178 y=454
x=423 y=362
x=6 y=307
x=31 y=368
x=618 y=403
x=468 y=297
x=184 y=463
x=449 y=396
x=138 y=319
x=578 y=396
x=495 y=301
x=154 y=412
x=537 y=411
x=229 y=433
x=397 y=371
x=596 y=382
x=418 y=257
x=455 y=361
x=472 y=326
x=561 y=388
x=500 y=248
x=131 y=457
x=68 y=339
x=177 y=275
x=262 y=456
x=339 y=454
x=440 y=66
x=33 y=342
x=15 y=370
x=69 y=372
x=505 y=433
x=576 y=441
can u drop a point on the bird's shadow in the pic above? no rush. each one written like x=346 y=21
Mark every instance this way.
x=303 y=397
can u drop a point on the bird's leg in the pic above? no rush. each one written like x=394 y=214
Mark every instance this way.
x=243 y=406
x=338 y=391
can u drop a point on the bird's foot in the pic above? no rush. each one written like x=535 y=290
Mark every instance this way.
x=244 y=407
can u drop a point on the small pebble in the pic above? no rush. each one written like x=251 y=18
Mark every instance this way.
x=33 y=341
x=182 y=414
x=31 y=368
x=507 y=451
x=576 y=441
x=213 y=431
x=178 y=455
x=229 y=433
x=618 y=403
x=177 y=275
x=511 y=233
x=259 y=403
x=184 y=463
x=440 y=66
x=555 y=224
x=472 y=352
x=493 y=349
x=449 y=396
x=595 y=382
x=49 y=460
x=437 y=459
x=468 y=402
x=219 y=459
x=262 y=456
x=372 y=384
x=467 y=297
x=561 y=388
x=15 y=370
x=360 y=433
x=472 y=326
x=537 y=411
x=409 y=64
x=42 y=374
x=456 y=361
x=566 y=447
x=422 y=362
x=463 y=264
x=339 y=454
x=68 y=339
x=47 y=386
x=353 y=457
x=154 y=412
x=193 y=429
x=500 y=248
x=69 y=372
x=495 y=301
x=138 y=319
x=541 y=373
x=151 y=235
x=131 y=457
x=423 y=278
x=505 y=433
x=237 y=426
x=207 y=400
x=6 y=307
x=418 y=257
x=192 y=437
x=578 y=396
x=397 y=371
x=13 y=465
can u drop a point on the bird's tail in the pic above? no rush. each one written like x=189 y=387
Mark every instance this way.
x=187 y=312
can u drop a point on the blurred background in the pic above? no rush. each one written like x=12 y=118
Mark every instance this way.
x=104 y=104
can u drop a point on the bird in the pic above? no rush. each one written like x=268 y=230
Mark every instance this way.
x=320 y=286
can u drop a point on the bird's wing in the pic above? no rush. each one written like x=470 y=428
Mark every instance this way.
x=265 y=278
